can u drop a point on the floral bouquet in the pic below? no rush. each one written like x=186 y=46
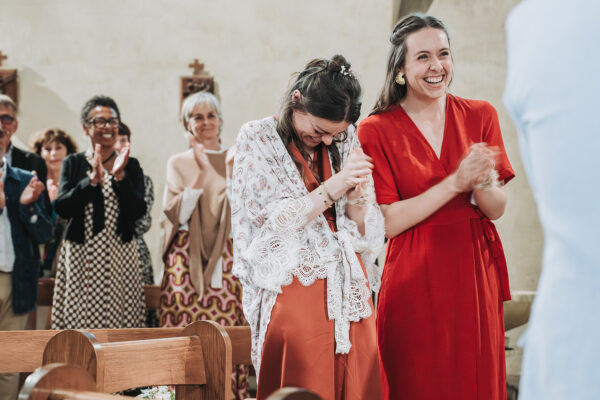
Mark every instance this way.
x=158 y=393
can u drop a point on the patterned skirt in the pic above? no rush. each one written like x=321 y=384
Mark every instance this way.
x=180 y=305
x=98 y=282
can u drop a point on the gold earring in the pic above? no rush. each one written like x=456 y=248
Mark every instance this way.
x=400 y=79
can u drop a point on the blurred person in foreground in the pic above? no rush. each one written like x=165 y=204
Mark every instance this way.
x=552 y=95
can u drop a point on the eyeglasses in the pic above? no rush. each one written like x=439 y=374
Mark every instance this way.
x=101 y=122
x=6 y=119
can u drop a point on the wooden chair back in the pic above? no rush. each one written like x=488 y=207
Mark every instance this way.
x=21 y=351
x=62 y=382
x=198 y=362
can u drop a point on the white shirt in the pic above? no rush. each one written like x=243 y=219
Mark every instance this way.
x=188 y=204
x=552 y=95
x=8 y=156
x=7 y=252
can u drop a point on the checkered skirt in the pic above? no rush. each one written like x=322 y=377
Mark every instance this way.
x=99 y=283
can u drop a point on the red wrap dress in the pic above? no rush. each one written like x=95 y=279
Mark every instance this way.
x=440 y=320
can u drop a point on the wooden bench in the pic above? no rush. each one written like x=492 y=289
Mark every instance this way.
x=71 y=382
x=62 y=382
x=21 y=351
x=198 y=362
x=46 y=294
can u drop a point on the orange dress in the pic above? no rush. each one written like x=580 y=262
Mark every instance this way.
x=440 y=321
x=299 y=347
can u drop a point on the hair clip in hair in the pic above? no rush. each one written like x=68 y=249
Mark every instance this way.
x=346 y=71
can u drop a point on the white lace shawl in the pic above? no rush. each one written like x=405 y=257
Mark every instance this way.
x=273 y=240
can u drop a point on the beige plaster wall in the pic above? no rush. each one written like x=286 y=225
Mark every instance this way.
x=134 y=50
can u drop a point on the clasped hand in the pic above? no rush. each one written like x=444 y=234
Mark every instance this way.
x=476 y=167
x=353 y=178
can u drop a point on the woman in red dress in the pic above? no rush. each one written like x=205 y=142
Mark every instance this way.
x=439 y=169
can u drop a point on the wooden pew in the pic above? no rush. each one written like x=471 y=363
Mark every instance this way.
x=21 y=351
x=62 y=382
x=71 y=382
x=46 y=294
x=198 y=362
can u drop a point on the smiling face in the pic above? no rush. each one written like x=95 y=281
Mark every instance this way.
x=106 y=136
x=204 y=123
x=313 y=130
x=428 y=65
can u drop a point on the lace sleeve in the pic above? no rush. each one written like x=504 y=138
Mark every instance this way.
x=372 y=242
x=267 y=218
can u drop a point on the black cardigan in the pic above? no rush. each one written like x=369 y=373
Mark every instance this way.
x=76 y=190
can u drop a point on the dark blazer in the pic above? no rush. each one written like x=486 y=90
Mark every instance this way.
x=29 y=162
x=75 y=191
x=29 y=224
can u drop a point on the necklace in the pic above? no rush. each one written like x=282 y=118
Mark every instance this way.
x=109 y=158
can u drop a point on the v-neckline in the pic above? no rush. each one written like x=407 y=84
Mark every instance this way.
x=424 y=139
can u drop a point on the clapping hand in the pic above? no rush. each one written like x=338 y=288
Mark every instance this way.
x=202 y=160
x=476 y=167
x=32 y=191
x=118 y=169
x=52 y=189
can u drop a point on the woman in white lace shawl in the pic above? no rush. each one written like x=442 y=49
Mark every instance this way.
x=307 y=232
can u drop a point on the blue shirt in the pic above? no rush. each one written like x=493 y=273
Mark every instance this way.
x=553 y=95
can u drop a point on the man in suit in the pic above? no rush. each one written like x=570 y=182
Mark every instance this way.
x=23 y=223
x=15 y=156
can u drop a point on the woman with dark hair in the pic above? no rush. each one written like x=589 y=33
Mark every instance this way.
x=101 y=195
x=53 y=145
x=307 y=232
x=439 y=169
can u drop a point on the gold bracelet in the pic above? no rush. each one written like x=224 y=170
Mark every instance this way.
x=361 y=201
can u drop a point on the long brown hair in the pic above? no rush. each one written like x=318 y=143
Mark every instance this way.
x=392 y=93
x=329 y=90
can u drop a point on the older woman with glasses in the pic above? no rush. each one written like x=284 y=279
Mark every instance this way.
x=198 y=283
x=101 y=194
